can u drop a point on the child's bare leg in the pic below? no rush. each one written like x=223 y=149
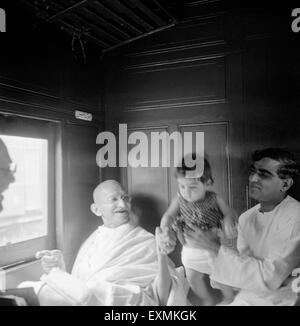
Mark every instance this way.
x=228 y=294
x=199 y=286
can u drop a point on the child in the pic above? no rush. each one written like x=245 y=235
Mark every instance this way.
x=196 y=205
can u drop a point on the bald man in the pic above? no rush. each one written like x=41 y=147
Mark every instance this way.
x=113 y=204
x=119 y=264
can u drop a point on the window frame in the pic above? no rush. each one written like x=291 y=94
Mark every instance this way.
x=21 y=252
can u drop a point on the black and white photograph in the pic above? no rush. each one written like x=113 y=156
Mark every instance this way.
x=149 y=155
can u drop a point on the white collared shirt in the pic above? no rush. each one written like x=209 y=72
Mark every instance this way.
x=268 y=249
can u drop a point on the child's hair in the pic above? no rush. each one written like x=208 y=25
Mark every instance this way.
x=207 y=174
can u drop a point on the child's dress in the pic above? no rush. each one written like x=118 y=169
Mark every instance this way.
x=204 y=214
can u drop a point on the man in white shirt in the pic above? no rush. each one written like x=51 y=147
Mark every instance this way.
x=268 y=244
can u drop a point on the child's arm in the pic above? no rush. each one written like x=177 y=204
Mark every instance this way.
x=230 y=218
x=170 y=215
x=163 y=280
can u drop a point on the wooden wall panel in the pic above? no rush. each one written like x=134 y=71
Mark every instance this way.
x=233 y=69
x=262 y=24
x=80 y=175
x=149 y=186
x=215 y=147
x=204 y=81
x=189 y=34
x=41 y=58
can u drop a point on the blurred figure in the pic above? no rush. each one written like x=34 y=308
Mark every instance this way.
x=6 y=178
x=7 y=169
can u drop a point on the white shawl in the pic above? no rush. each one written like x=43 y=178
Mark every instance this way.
x=114 y=267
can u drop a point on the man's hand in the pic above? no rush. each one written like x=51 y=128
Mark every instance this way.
x=51 y=259
x=196 y=238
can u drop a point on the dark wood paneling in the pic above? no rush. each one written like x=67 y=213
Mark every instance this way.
x=204 y=81
x=204 y=32
x=215 y=147
x=42 y=61
x=80 y=175
x=241 y=72
x=265 y=24
x=149 y=186
x=19 y=98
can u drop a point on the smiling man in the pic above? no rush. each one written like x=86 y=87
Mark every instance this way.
x=268 y=245
x=113 y=204
x=118 y=265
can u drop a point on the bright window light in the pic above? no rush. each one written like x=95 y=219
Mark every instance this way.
x=25 y=212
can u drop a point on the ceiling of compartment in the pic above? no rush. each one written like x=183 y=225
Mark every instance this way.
x=107 y=24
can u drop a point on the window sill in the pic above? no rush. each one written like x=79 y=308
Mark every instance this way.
x=23 y=271
x=18 y=265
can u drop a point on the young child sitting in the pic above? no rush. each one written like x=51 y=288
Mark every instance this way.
x=198 y=206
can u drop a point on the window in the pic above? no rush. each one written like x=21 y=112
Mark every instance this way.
x=24 y=215
x=26 y=188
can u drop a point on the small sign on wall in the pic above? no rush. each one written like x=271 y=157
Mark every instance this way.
x=80 y=115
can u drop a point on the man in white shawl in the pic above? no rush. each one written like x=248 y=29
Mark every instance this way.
x=118 y=265
x=268 y=244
